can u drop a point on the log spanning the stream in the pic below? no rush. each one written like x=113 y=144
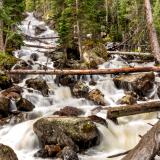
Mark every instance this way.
x=148 y=146
x=126 y=110
x=139 y=54
x=86 y=71
x=39 y=46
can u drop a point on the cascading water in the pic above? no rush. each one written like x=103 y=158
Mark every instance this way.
x=115 y=138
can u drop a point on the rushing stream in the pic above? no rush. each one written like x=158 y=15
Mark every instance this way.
x=115 y=138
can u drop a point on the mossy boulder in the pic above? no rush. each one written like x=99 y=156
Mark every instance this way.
x=140 y=83
x=7 y=153
x=69 y=111
x=7 y=61
x=24 y=105
x=67 y=131
x=5 y=81
x=80 y=89
x=4 y=106
x=97 y=97
x=95 y=54
x=38 y=84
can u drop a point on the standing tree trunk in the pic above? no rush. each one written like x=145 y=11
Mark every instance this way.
x=152 y=31
x=1 y=30
x=78 y=31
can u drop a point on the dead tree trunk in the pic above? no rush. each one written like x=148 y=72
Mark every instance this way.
x=115 y=112
x=139 y=54
x=78 y=31
x=152 y=31
x=87 y=71
x=1 y=30
x=148 y=147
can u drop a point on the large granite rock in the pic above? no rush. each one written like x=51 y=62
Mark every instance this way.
x=38 y=84
x=4 y=106
x=77 y=133
x=140 y=83
x=7 y=153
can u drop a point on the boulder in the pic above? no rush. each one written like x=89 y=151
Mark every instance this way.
x=95 y=55
x=140 y=83
x=4 y=106
x=40 y=29
x=69 y=111
x=68 y=154
x=130 y=98
x=38 y=84
x=97 y=97
x=14 y=96
x=34 y=56
x=15 y=89
x=5 y=81
x=80 y=89
x=38 y=15
x=7 y=153
x=24 y=105
x=77 y=133
x=65 y=80
x=48 y=151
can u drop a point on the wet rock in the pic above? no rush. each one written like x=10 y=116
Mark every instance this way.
x=65 y=80
x=40 y=29
x=4 y=106
x=7 y=153
x=15 y=89
x=5 y=81
x=24 y=105
x=130 y=98
x=97 y=97
x=92 y=83
x=67 y=131
x=34 y=56
x=68 y=154
x=80 y=89
x=95 y=55
x=14 y=96
x=38 y=15
x=69 y=111
x=48 y=151
x=99 y=120
x=38 y=84
x=140 y=83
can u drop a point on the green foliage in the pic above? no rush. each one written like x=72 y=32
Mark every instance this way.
x=6 y=59
x=11 y=15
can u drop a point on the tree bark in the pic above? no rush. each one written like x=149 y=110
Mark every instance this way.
x=152 y=31
x=115 y=112
x=139 y=54
x=1 y=31
x=87 y=71
x=148 y=147
x=78 y=31
x=39 y=46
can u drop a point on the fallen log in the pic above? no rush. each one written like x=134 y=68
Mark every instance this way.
x=152 y=31
x=36 y=38
x=126 y=110
x=86 y=71
x=148 y=147
x=140 y=54
x=39 y=46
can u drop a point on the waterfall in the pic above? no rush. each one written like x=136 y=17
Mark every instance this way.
x=115 y=138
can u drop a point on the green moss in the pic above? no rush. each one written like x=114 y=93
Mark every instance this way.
x=7 y=61
x=88 y=127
